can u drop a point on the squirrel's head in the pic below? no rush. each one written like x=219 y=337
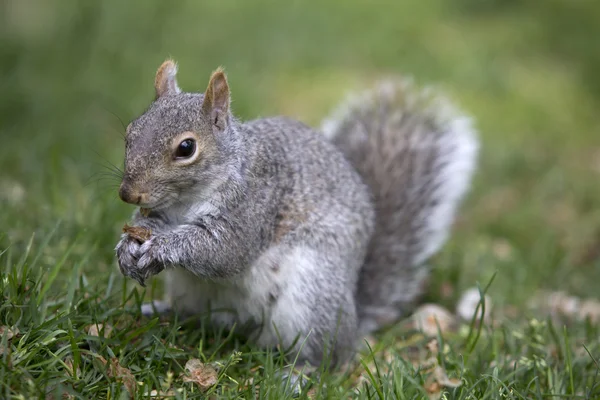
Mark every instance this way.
x=180 y=144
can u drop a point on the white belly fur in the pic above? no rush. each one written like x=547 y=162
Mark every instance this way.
x=273 y=292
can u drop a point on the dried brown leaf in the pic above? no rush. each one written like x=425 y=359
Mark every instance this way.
x=428 y=316
x=438 y=380
x=433 y=347
x=99 y=330
x=10 y=333
x=442 y=378
x=203 y=375
x=434 y=390
x=70 y=367
x=121 y=374
x=139 y=233
x=312 y=393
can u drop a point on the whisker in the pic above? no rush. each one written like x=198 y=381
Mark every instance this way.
x=102 y=177
x=113 y=167
x=109 y=172
x=121 y=133
x=110 y=176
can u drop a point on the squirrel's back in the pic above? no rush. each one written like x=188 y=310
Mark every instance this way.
x=417 y=153
x=317 y=182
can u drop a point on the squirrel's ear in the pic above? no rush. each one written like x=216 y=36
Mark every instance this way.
x=166 y=79
x=216 y=99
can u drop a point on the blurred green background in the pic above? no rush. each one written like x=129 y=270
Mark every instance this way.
x=75 y=71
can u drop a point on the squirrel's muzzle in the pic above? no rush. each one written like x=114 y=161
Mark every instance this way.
x=132 y=196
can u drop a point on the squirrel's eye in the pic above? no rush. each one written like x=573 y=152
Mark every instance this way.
x=185 y=149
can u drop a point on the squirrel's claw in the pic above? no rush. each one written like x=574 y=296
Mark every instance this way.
x=128 y=251
x=127 y=254
x=138 y=262
x=138 y=278
x=149 y=262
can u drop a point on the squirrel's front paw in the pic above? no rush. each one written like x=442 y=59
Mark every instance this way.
x=127 y=255
x=151 y=260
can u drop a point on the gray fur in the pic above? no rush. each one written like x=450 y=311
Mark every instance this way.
x=271 y=227
x=417 y=153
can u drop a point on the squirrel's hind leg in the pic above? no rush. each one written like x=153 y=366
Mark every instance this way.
x=156 y=307
x=312 y=312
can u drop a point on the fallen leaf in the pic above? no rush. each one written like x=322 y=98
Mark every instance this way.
x=139 y=233
x=573 y=307
x=70 y=368
x=560 y=304
x=157 y=394
x=99 y=330
x=434 y=390
x=438 y=379
x=312 y=393
x=428 y=316
x=121 y=374
x=564 y=304
x=590 y=309
x=442 y=378
x=433 y=347
x=203 y=375
x=64 y=396
x=10 y=333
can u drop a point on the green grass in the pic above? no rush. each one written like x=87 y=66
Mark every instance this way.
x=74 y=71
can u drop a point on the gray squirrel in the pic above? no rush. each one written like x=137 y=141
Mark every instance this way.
x=307 y=238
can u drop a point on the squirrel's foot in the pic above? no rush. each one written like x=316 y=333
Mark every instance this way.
x=295 y=380
x=155 y=307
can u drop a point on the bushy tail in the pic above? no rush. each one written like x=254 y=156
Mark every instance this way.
x=418 y=154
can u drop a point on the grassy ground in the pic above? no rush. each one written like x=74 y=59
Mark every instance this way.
x=73 y=71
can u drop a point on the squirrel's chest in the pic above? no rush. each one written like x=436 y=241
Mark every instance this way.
x=248 y=298
x=185 y=213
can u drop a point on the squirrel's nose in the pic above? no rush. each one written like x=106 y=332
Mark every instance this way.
x=128 y=195
x=124 y=193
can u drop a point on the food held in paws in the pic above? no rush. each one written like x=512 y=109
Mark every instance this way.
x=139 y=233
